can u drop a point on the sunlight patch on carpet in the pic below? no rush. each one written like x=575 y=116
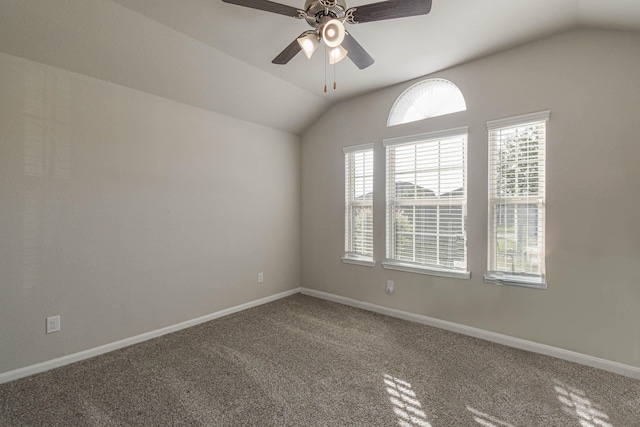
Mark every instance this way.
x=487 y=420
x=577 y=404
x=406 y=405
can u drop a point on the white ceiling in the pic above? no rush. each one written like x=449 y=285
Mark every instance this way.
x=218 y=56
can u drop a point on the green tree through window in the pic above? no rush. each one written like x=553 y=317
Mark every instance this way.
x=516 y=196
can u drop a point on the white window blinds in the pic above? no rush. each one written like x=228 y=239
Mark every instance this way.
x=359 y=202
x=427 y=201
x=517 y=199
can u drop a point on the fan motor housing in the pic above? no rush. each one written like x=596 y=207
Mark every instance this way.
x=319 y=11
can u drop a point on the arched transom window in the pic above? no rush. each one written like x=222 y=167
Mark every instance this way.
x=425 y=99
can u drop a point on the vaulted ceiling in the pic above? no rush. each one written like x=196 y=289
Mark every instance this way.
x=217 y=56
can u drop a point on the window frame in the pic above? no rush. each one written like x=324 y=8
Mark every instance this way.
x=349 y=256
x=411 y=100
x=393 y=263
x=519 y=278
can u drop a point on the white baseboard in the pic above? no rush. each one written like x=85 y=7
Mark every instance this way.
x=572 y=356
x=86 y=354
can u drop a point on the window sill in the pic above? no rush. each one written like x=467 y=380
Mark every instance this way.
x=410 y=268
x=512 y=280
x=367 y=262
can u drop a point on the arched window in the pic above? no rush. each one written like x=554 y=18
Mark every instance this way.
x=428 y=98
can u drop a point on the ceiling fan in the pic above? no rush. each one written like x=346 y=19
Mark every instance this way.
x=327 y=18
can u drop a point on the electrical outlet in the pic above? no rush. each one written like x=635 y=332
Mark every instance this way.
x=53 y=324
x=260 y=278
x=389 y=288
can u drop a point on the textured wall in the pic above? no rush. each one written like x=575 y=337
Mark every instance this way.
x=588 y=79
x=124 y=212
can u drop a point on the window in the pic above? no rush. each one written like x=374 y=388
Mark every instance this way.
x=428 y=98
x=358 y=171
x=427 y=203
x=517 y=200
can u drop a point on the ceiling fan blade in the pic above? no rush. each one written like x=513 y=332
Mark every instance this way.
x=390 y=9
x=356 y=53
x=269 y=6
x=289 y=52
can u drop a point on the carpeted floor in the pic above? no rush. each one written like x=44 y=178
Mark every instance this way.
x=302 y=361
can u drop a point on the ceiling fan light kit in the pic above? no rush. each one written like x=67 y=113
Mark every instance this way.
x=327 y=18
x=337 y=54
x=309 y=43
x=333 y=33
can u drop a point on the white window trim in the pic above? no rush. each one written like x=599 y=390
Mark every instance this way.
x=357 y=259
x=354 y=148
x=516 y=280
x=429 y=271
x=407 y=100
x=441 y=134
x=392 y=264
x=540 y=116
x=503 y=279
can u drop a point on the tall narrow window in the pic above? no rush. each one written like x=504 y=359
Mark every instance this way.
x=517 y=200
x=427 y=203
x=358 y=165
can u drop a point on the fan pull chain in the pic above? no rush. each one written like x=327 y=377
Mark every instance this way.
x=325 y=68
x=334 y=76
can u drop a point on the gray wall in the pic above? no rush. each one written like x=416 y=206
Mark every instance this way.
x=589 y=81
x=124 y=212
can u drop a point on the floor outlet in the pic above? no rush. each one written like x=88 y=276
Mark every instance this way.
x=53 y=324
x=260 y=278
x=389 y=287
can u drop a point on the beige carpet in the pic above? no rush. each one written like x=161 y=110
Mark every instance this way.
x=302 y=361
